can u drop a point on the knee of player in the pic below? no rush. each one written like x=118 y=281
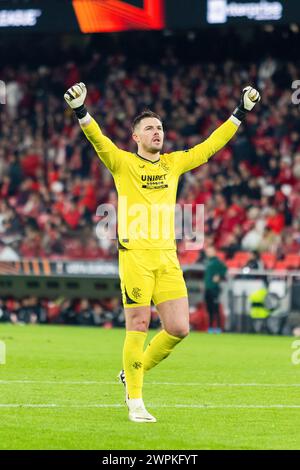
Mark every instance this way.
x=180 y=331
x=139 y=325
x=142 y=328
x=184 y=332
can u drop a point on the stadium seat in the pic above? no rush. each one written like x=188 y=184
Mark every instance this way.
x=292 y=261
x=189 y=256
x=281 y=265
x=242 y=257
x=233 y=263
x=268 y=260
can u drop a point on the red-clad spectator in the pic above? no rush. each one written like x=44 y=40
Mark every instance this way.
x=92 y=251
x=89 y=199
x=94 y=95
x=286 y=172
x=72 y=75
x=30 y=163
x=234 y=216
x=276 y=221
x=32 y=248
x=72 y=215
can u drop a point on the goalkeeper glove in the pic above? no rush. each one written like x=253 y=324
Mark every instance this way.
x=250 y=97
x=75 y=97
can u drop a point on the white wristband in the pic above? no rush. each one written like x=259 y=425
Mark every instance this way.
x=86 y=119
x=235 y=120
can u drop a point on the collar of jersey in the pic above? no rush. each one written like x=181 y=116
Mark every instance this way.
x=146 y=160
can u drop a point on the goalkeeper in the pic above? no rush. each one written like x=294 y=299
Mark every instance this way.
x=148 y=264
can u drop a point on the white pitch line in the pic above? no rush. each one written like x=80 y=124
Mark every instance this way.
x=189 y=384
x=117 y=405
x=59 y=382
x=199 y=384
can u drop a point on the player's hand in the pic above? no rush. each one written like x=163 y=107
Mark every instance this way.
x=250 y=97
x=76 y=95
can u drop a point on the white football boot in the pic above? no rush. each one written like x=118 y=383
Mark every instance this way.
x=138 y=412
x=121 y=377
x=136 y=407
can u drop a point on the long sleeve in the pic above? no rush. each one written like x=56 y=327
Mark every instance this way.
x=106 y=150
x=189 y=159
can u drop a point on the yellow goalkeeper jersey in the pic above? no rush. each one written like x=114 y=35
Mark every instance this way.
x=147 y=190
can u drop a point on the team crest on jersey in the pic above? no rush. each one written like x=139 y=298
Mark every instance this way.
x=137 y=365
x=136 y=292
x=164 y=166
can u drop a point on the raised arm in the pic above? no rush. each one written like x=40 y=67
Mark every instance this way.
x=196 y=156
x=106 y=150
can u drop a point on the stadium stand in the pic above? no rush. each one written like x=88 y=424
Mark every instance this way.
x=51 y=182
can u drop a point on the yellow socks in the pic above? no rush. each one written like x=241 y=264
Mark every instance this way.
x=159 y=348
x=133 y=362
x=136 y=362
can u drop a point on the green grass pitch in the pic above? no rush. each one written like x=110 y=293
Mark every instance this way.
x=58 y=390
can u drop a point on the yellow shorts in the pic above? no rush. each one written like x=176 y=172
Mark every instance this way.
x=150 y=275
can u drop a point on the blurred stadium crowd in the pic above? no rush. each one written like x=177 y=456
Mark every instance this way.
x=107 y=313
x=51 y=181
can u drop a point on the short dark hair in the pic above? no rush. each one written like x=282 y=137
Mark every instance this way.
x=147 y=113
